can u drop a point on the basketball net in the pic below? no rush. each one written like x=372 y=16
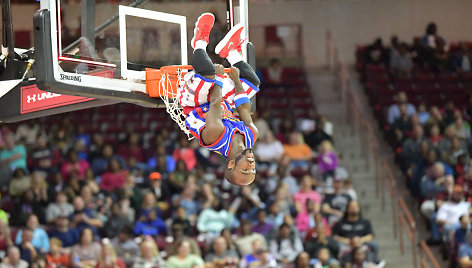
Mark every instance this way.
x=169 y=84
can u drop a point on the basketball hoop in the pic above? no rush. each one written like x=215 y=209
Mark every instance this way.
x=164 y=83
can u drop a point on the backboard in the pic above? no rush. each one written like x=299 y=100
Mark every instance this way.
x=100 y=49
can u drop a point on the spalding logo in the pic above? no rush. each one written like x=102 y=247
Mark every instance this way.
x=71 y=77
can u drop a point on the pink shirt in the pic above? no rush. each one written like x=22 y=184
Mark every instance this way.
x=305 y=221
x=187 y=155
x=301 y=197
x=110 y=181
x=81 y=167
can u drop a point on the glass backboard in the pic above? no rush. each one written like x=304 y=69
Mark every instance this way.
x=122 y=38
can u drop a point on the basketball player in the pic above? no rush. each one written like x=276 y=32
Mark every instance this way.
x=209 y=95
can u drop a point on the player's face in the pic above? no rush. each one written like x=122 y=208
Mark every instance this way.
x=245 y=166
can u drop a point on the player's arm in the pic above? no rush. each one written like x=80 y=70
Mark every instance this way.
x=244 y=110
x=214 y=125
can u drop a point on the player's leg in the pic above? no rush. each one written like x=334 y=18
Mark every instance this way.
x=201 y=62
x=230 y=48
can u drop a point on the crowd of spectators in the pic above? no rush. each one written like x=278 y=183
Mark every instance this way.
x=71 y=197
x=431 y=136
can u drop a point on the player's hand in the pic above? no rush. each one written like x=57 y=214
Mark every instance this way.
x=234 y=74
x=220 y=69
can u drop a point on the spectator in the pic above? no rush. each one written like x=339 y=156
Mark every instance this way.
x=440 y=60
x=306 y=220
x=402 y=126
x=435 y=136
x=275 y=217
x=327 y=160
x=179 y=235
x=353 y=230
x=160 y=190
x=39 y=239
x=246 y=237
x=321 y=240
x=316 y=137
x=177 y=179
x=261 y=225
x=302 y=260
x=317 y=220
x=187 y=200
x=24 y=207
x=108 y=258
x=283 y=199
x=19 y=183
x=221 y=256
x=359 y=258
x=260 y=258
x=249 y=202
x=13 y=155
x=43 y=157
x=465 y=252
x=114 y=178
x=5 y=238
x=116 y=221
x=149 y=255
x=132 y=192
x=168 y=160
x=126 y=248
x=181 y=218
x=335 y=204
x=325 y=259
x=132 y=149
x=87 y=252
x=306 y=193
x=213 y=220
x=150 y=224
x=101 y=162
x=423 y=114
x=462 y=128
x=83 y=217
x=275 y=72
x=394 y=109
x=185 y=153
x=269 y=150
x=56 y=257
x=12 y=260
x=401 y=63
x=184 y=258
x=64 y=233
x=27 y=250
x=460 y=234
x=74 y=165
x=430 y=38
x=462 y=60
x=56 y=185
x=287 y=245
x=448 y=215
x=39 y=188
x=285 y=176
x=376 y=53
x=410 y=152
x=433 y=183
x=298 y=151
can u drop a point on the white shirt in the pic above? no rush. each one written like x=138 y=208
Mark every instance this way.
x=450 y=212
x=269 y=151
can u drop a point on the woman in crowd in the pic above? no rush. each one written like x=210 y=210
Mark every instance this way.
x=86 y=254
x=183 y=258
x=150 y=256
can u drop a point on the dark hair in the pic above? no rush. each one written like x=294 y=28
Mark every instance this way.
x=431 y=28
x=127 y=230
x=297 y=259
x=82 y=232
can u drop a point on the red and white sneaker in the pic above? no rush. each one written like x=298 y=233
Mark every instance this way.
x=231 y=41
x=202 y=28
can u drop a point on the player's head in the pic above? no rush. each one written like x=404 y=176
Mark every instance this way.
x=241 y=170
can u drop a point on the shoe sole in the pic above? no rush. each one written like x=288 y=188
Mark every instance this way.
x=225 y=40
x=195 y=29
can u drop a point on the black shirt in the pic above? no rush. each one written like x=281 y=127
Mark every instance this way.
x=313 y=246
x=348 y=229
x=337 y=201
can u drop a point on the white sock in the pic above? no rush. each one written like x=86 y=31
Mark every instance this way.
x=200 y=44
x=234 y=56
